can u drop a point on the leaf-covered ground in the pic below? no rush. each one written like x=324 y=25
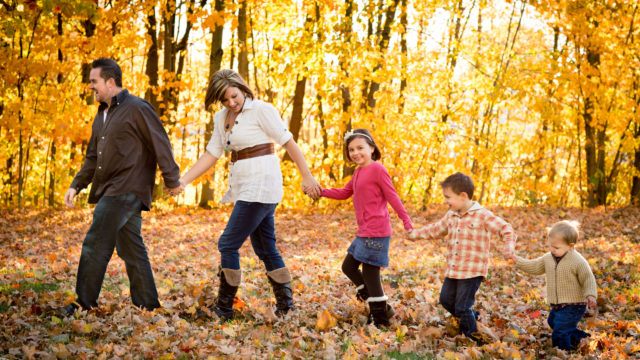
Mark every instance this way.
x=40 y=253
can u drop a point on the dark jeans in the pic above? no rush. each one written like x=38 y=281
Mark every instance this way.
x=564 y=323
x=116 y=224
x=458 y=297
x=257 y=221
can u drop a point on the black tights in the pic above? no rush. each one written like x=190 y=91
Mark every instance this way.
x=369 y=276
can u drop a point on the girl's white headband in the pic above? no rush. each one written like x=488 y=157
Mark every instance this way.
x=350 y=134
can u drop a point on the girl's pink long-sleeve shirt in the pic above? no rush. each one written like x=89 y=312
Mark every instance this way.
x=372 y=189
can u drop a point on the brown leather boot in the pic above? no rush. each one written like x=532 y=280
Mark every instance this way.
x=229 y=282
x=280 y=280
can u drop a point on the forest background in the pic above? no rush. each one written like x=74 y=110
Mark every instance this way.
x=538 y=101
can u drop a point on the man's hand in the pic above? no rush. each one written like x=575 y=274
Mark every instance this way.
x=69 y=197
x=175 y=191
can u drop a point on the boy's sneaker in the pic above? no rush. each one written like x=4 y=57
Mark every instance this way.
x=486 y=334
x=477 y=338
x=452 y=327
x=68 y=310
x=583 y=347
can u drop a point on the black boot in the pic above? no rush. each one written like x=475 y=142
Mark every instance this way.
x=361 y=293
x=226 y=293
x=280 y=281
x=380 y=312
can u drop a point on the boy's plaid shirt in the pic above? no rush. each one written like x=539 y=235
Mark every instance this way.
x=469 y=240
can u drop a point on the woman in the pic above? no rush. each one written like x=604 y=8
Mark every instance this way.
x=248 y=127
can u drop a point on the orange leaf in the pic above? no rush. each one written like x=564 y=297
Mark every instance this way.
x=534 y=314
x=238 y=304
x=325 y=321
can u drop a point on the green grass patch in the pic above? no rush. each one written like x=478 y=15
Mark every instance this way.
x=397 y=355
x=4 y=307
x=26 y=285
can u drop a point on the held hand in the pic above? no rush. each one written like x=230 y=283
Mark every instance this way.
x=69 y=197
x=412 y=235
x=311 y=196
x=592 y=306
x=511 y=252
x=311 y=187
x=183 y=185
x=176 y=190
x=409 y=234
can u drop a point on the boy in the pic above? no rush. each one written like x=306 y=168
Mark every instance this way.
x=468 y=228
x=571 y=286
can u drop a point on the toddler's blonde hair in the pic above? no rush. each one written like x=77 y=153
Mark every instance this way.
x=567 y=230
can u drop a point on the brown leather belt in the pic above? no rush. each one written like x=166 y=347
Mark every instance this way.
x=251 y=152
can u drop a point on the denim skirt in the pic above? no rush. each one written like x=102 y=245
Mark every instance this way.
x=371 y=250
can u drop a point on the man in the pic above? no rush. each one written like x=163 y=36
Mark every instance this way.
x=127 y=143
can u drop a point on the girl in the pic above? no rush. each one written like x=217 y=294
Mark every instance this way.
x=372 y=189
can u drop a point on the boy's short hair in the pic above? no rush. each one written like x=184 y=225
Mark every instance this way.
x=567 y=230
x=459 y=183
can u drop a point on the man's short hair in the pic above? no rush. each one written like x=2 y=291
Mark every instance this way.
x=109 y=69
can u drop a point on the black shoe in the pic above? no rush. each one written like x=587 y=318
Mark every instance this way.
x=380 y=313
x=224 y=303
x=284 y=296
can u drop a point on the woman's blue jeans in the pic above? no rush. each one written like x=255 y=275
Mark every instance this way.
x=254 y=220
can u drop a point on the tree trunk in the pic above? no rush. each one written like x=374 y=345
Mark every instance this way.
x=256 y=83
x=243 y=54
x=20 y=157
x=453 y=50
x=174 y=52
x=152 y=60
x=635 y=186
x=89 y=31
x=594 y=144
x=168 y=58
x=22 y=163
x=215 y=62
x=296 y=114
x=347 y=30
x=295 y=124
x=383 y=44
x=52 y=159
x=635 y=182
x=403 y=50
